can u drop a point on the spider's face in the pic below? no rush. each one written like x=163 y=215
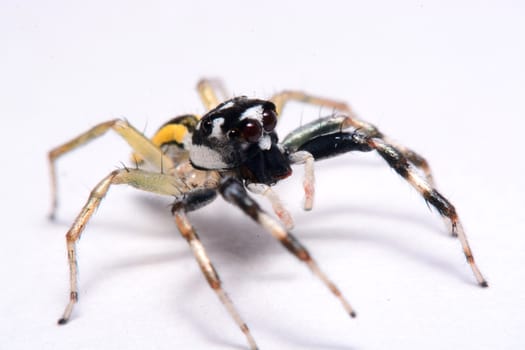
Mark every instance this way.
x=224 y=135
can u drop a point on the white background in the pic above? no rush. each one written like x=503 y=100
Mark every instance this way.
x=445 y=78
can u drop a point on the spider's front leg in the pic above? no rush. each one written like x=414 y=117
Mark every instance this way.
x=400 y=164
x=323 y=139
x=189 y=202
x=234 y=192
x=351 y=119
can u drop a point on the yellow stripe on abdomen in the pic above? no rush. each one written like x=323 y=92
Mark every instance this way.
x=171 y=133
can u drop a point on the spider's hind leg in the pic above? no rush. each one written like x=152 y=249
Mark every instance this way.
x=190 y=202
x=212 y=92
x=138 y=142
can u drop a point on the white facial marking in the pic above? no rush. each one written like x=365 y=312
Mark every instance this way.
x=227 y=105
x=255 y=112
x=206 y=157
x=216 y=130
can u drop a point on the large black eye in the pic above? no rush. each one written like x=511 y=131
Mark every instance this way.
x=206 y=126
x=251 y=131
x=269 y=119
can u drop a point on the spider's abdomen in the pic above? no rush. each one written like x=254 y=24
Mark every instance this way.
x=267 y=167
x=170 y=136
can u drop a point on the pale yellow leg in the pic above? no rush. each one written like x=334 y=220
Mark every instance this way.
x=282 y=98
x=212 y=92
x=138 y=142
x=141 y=179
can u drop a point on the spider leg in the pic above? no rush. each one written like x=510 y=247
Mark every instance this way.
x=335 y=124
x=329 y=145
x=140 y=179
x=211 y=92
x=277 y=206
x=303 y=135
x=234 y=192
x=416 y=159
x=188 y=203
x=281 y=98
x=138 y=142
x=400 y=164
x=351 y=119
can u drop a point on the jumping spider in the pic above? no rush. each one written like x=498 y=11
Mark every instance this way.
x=234 y=148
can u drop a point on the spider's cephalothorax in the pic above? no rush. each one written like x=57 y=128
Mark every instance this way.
x=234 y=148
x=239 y=135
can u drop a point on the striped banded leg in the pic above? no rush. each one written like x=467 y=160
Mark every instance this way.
x=416 y=159
x=147 y=181
x=140 y=144
x=314 y=133
x=282 y=98
x=179 y=209
x=400 y=164
x=329 y=145
x=233 y=191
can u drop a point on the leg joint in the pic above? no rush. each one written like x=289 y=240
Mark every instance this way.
x=234 y=192
x=295 y=247
x=443 y=206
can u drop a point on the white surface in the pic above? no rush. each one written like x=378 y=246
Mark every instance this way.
x=446 y=78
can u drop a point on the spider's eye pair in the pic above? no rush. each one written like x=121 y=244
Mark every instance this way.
x=251 y=130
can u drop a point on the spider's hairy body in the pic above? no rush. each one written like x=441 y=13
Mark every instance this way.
x=232 y=149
